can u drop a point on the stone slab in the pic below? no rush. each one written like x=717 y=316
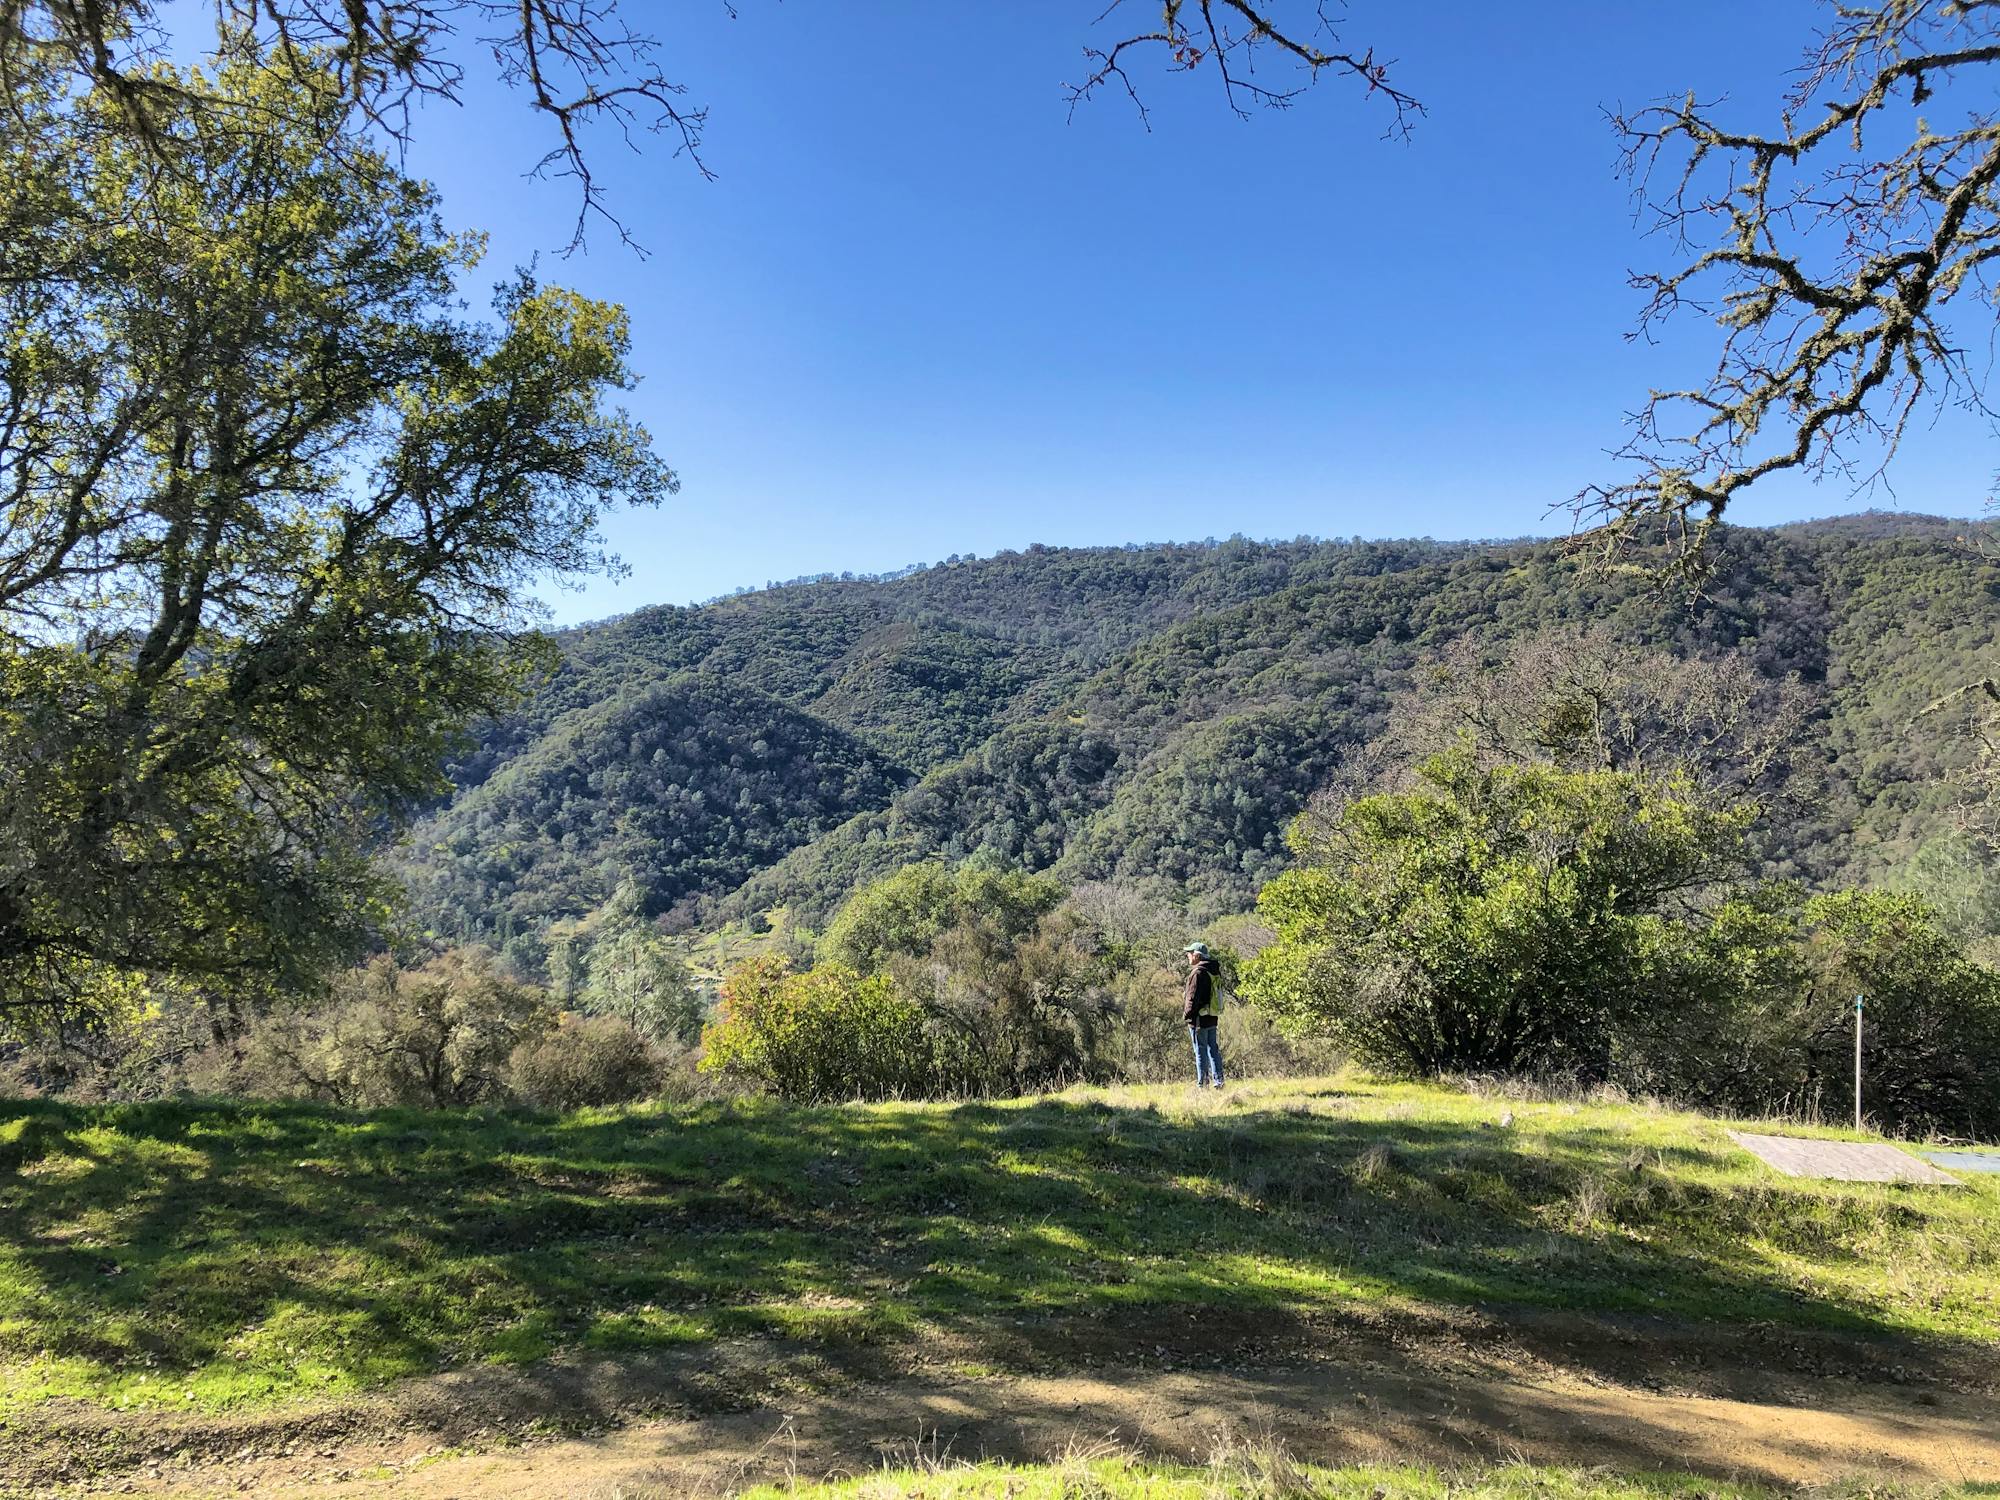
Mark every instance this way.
x=1967 y=1161
x=1840 y=1161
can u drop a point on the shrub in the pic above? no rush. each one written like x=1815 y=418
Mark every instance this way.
x=1931 y=1033
x=900 y=913
x=585 y=1060
x=1021 y=987
x=1012 y=984
x=1718 y=1025
x=1490 y=919
x=1758 y=1017
x=438 y=1036
x=1012 y=1012
x=822 y=1035
x=167 y=1044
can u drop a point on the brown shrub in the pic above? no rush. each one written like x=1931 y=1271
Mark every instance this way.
x=585 y=1060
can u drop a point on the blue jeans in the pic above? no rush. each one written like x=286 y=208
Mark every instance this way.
x=1207 y=1056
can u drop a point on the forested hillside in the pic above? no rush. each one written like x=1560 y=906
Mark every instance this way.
x=1152 y=715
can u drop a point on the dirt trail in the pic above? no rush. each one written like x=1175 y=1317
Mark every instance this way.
x=1333 y=1415
x=1739 y=1406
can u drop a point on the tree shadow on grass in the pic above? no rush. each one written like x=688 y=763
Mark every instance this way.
x=255 y=1251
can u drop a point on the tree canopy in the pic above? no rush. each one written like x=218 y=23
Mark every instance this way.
x=1490 y=919
x=1156 y=716
x=268 y=508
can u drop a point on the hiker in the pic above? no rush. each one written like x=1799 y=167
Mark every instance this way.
x=1204 y=1000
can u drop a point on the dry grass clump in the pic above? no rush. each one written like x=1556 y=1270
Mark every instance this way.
x=1588 y=1204
x=1256 y=1466
x=1376 y=1160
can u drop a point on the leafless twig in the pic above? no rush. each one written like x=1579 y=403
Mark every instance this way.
x=1231 y=36
x=1842 y=256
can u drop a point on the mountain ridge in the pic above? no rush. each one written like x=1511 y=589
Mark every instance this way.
x=1147 y=715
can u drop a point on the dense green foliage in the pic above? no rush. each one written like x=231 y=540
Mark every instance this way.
x=269 y=507
x=664 y=791
x=1493 y=919
x=456 y=1030
x=907 y=913
x=1760 y=1017
x=978 y=981
x=1931 y=1042
x=826 y=1034
x=198 y=1254
x=1515 y=917
x=1159 y=715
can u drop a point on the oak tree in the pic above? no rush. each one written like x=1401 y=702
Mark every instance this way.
x=269 y=505
x=1843 y=253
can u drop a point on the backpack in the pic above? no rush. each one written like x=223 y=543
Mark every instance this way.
x=1215 y=993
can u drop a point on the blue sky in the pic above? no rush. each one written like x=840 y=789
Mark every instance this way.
x=922 y=311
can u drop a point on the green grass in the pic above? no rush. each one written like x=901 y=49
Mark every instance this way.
x=204 y=1255
x=1273 y=1477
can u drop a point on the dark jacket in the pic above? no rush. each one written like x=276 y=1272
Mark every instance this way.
x=1199 y=1009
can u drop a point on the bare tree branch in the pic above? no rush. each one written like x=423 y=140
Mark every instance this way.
x=1229 y=36
x=583 y=65
x=1844 y=275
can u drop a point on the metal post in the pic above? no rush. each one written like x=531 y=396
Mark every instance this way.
x=1857 y=1062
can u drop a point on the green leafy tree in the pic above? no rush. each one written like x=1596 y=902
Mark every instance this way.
x=1762 y=1014
x=907 y=912
x=633 y=975
x=1014 y=984
x=615 y=962
x=1014 y=1009
x=267 y=512
x=1492 y=918
x=899 y=913
x=1931 y=1042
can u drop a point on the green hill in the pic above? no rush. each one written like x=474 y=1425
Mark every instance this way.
x=688 y=785
x=1153 y=715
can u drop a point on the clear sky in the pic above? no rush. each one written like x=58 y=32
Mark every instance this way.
x=923 y=311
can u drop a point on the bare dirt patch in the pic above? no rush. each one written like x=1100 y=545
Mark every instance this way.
x=1766 y=1404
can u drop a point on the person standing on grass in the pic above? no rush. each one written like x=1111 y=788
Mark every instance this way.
x=1203 y=1001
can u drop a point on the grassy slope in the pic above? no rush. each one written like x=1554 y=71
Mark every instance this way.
x=201 y=1255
